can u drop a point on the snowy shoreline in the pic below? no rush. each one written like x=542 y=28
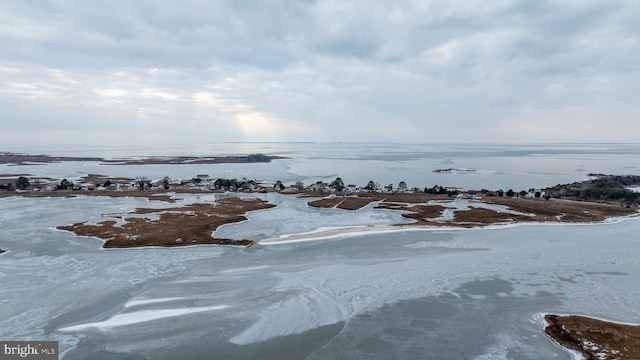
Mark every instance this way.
x=350 y=231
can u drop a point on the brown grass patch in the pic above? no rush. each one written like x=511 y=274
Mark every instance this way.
x=326 y=202
x=540 y=210
x=563 y=210
x=187 y=225
x=595 y=339
x=476 y=216
x=422 y=214
x=355 y=202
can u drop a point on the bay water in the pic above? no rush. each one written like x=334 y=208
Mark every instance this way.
x=428 y=294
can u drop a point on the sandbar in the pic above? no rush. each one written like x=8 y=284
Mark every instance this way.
x=330 y=233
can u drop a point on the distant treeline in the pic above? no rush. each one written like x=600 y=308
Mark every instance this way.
x=603 y=188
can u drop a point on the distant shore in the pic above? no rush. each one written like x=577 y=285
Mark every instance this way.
x=26 y=159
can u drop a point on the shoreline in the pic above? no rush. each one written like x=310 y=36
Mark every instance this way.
x=196 y=223
x=357 y=230
x=594 y=338
x=330 y=233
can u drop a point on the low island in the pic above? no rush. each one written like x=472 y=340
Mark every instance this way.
x=187 y=225
x=27 y=159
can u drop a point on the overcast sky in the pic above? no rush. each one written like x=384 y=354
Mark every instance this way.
x=142 y=72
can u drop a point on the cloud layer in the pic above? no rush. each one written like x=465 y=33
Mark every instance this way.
x=410 y=71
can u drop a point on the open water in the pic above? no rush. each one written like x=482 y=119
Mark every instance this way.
x=430 y=294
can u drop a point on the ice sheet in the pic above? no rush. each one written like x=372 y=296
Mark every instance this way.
x=137 y=317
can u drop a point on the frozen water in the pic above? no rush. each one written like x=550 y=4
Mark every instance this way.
x=137 y=317
x=294 y=216
x=427 y=294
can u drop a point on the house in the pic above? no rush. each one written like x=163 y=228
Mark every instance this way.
x=248 y=185
x=319 y=186
x=535 y=193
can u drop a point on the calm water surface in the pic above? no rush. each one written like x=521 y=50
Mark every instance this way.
x=475 y=166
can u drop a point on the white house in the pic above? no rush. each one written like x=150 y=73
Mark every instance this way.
x=532 y=193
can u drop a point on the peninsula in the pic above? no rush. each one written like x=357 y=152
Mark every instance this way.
x=595 y=339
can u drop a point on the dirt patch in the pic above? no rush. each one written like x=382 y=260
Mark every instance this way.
x=595 y=339
x=187 y=225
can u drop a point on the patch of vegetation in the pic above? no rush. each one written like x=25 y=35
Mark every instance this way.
x=258 y=158
x=602 y=188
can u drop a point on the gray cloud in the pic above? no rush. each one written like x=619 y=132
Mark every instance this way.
x=320 y=70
